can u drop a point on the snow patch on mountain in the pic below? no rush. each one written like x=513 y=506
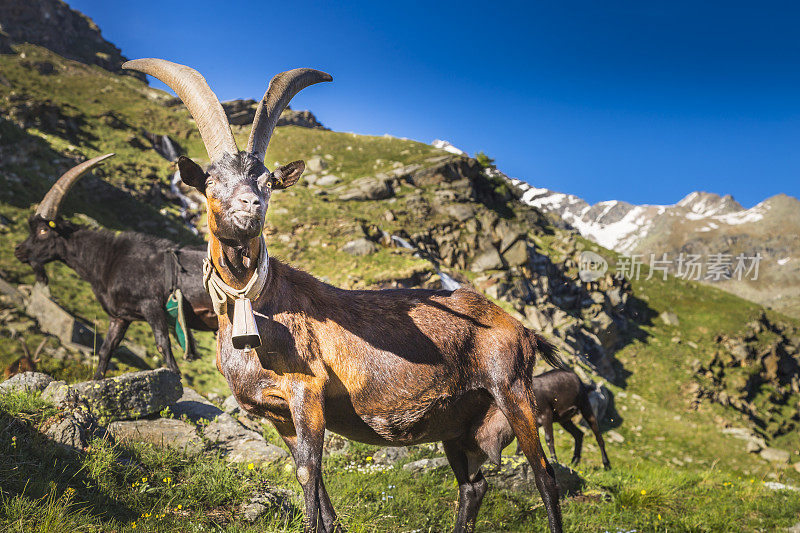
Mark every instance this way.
x=447 y=147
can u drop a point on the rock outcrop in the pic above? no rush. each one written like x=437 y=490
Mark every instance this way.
x=55 y=26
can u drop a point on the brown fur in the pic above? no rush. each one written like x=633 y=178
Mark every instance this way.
x=22 y=364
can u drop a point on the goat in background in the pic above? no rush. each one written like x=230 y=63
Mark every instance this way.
x=132 y=275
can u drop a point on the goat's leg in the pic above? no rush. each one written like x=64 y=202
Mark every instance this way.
x=518 y=407
x=329 y=519
x=547 y=425
x=471 y=487
x=588 y=414
x=307 y=405
x=577 y=434
x=116 y=332
x=157 y=319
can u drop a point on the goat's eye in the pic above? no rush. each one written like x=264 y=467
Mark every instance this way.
x=43 y=231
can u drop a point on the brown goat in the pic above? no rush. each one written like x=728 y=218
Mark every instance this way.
x=391 y=367
x=25 y=363
x=560 y=395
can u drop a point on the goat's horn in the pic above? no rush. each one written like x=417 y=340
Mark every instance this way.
x=51 y=203
x=281 y=89
x=198 y=97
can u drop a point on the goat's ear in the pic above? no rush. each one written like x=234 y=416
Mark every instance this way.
x=192 y=174
x=287 y=175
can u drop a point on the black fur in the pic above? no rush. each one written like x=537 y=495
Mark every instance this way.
x=128 y=275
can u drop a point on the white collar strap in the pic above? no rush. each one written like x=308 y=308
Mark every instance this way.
x=221 y=292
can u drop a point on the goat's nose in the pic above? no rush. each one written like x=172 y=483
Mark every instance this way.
x=250 y=201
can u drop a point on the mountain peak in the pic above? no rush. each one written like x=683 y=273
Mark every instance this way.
x=709 y=203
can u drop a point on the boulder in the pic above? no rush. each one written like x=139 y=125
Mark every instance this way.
x=460 y=212
x=606 y=329
x=774 y=455
x=390 y=456
x=425 y=465
x=72 y=430
x=26 y=381
x=241 y=445
x=194 y=406
x=369 y=188
x=280 y=502
x=515 y=473
x=516 y=254
x=230 y=405
x=327 y=180
x=316 y=164
x=335 y=444
x=56 y=321
x=129 y=396
x=488 y=260
x=669 y=318
x=165 y=432
x=360 y=247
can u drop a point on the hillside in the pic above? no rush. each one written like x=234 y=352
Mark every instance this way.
x=383 y=212
x=702 y=224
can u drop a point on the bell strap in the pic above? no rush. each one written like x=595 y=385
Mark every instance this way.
x=220 y=292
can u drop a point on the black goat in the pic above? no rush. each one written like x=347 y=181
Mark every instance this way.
x=131 y=274
x=560 y=395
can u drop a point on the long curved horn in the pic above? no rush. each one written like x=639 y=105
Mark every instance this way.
x=198 y=97
x=281 y=89
x=51 y=202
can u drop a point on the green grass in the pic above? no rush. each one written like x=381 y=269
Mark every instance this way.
x=113 y=487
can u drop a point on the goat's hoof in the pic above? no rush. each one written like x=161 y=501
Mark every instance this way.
x=607 y=466
x=575 y=461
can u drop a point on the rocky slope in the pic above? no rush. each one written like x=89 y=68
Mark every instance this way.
x=701 y=223
x=55 y=26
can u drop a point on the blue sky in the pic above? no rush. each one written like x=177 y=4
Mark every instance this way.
x=637 y=101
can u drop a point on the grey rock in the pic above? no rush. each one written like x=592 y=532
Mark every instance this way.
x=230 y=405
x=72 y=430
x=360 y=247
x=613 y=436
x=516 y=254
x=390 y=455
x=510 y=237
x=669 y=318
x=281 y=502
x=56 y=392
x=327 y=180
x=335 y=444
x=774 y=455
x=794 y=529
x=194 y=406
x=56 y=321
x=752 y=447
x=461 y=212
x=165 y=432
x=241 y=445
x=425 y=465
x=316 y=164
x=368 y=188
x=487 y=260
x=606 y=329
x=26 y=381
x=128 y=396
x=515 y=473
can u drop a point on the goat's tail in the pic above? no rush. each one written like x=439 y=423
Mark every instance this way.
x=547 y=350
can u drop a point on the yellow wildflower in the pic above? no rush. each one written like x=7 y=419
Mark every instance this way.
x=144 y=480
x=179 y=507
x=644 y=492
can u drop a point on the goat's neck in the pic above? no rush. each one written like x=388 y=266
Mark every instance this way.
x=85 y=251
x=236 y=262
